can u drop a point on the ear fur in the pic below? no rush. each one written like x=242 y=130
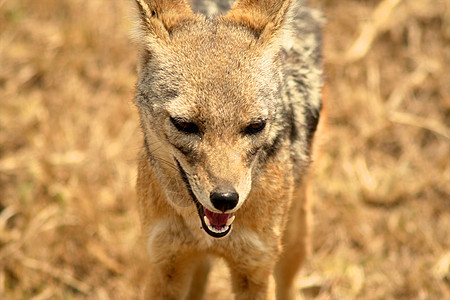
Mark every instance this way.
x=266 y=18
x=159 y=17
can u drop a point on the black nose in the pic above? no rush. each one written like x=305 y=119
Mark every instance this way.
x=224 y=198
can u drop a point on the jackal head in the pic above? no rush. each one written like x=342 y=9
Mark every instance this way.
x=207 y=93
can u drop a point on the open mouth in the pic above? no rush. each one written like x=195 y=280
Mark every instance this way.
x=215 y=224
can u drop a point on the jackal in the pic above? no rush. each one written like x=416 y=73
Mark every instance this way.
x=229 y=104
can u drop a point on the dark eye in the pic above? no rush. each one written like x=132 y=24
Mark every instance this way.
x=186 y=127
x=255 y=127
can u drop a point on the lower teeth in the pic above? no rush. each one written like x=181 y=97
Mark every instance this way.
x=216 y=230
x=221 y=230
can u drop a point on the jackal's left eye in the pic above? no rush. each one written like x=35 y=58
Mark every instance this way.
x=255 y=127
x=186 y=127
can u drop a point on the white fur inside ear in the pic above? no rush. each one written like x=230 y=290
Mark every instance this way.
x=154 y=19
x=139 y=32
x=136 y=31
x=287 y=41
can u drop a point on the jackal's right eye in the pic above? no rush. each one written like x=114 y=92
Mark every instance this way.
x=183 y=126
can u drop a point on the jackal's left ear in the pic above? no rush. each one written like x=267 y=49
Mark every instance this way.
x=157 y=18
x=266 y=18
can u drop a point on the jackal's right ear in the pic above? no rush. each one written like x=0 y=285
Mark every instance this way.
x=157 y=18
x=266 y=18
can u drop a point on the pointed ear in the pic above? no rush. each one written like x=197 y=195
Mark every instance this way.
x=266 y=18
x=157 y=18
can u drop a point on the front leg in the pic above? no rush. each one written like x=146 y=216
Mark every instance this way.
x=173 y=261
x=170 y=278
x=253 y=284
x=252 y=260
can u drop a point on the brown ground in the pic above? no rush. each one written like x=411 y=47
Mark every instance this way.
x=69 y=136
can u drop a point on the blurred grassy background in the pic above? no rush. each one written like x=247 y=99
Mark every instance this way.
x=69 y=136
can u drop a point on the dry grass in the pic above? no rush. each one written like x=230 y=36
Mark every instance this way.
x=69 y=136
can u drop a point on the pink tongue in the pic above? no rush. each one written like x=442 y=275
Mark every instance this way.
x=217 y=220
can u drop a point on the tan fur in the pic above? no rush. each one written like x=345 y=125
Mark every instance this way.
x=223 y=75
x=264 y=16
